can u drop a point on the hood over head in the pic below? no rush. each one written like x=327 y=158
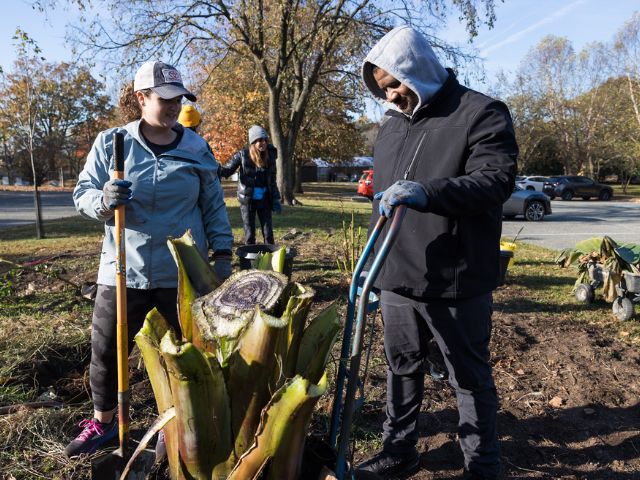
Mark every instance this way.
x=406 y=54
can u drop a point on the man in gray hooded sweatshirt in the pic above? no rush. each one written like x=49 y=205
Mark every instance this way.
x=449 y=154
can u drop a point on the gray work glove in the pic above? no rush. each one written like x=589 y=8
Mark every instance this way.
x=403 y=192
x=116 y=192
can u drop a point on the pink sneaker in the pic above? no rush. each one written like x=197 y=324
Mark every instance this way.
x=94 y=434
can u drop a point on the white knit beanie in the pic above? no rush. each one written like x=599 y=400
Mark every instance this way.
x=256 y=132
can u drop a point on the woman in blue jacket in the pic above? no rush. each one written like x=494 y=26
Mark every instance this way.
x=257 y=188
x=171 y=186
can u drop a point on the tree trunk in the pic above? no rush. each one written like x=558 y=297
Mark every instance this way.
x=36 y=195
x=282 y=141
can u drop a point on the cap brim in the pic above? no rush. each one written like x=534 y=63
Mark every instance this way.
x=169 y=91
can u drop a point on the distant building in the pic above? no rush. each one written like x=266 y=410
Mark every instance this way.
x=319 y=170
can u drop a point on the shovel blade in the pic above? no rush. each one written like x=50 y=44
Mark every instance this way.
x=111 y=465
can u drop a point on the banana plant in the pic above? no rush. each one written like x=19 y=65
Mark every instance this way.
x=613 y=258
x=237 y=390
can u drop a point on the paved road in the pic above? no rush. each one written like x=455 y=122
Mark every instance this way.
x=578 y=220
x=16 y=208
x=570 y=222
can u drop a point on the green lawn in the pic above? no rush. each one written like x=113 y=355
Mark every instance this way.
x=633 y=191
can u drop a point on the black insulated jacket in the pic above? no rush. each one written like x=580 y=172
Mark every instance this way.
x=461 y=147
x=247 y=175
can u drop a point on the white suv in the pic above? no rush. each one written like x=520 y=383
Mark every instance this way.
x=533 y=183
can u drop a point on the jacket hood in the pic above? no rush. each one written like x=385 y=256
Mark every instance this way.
x=405 y=53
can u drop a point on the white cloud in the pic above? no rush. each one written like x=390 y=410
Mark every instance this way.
x=544 y=21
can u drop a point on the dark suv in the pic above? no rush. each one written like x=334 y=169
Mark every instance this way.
x=568 y=186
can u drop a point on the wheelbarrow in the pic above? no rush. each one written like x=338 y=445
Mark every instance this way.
x=585 y=292
x=628 y=293
x=362 y=301
x=628 y=290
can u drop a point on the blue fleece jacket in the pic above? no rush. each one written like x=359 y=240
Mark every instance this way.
x=173 y=192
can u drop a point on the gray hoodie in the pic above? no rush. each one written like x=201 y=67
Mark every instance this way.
x=405 y=53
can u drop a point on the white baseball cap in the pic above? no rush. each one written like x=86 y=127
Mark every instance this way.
x=163 y=79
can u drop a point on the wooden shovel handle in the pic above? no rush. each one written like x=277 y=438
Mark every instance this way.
x=121 y=302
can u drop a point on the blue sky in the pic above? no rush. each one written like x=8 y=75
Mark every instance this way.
x=48 y=31
x=520 y=25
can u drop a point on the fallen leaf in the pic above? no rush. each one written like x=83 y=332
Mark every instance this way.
x=520 y=371
x=556 y=402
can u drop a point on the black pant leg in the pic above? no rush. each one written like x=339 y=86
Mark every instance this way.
x=266 y=224
x=248 y=223
x=166 y=301
x=405 y=343
x=103 y=375
x=462 y=329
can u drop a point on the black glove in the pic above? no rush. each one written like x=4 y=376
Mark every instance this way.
x=222 y=265
x=116 y=192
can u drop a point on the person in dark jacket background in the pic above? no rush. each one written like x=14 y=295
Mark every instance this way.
x=257 y=188
x=449 y=154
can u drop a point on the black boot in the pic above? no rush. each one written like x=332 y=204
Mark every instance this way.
x=392 y=465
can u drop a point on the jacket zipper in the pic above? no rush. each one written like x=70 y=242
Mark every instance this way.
x=404 y=144
x=415 y=156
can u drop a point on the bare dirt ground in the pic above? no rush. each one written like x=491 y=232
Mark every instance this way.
x=569 y=401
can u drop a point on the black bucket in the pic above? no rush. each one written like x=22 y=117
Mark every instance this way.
x=248 y=254
x=505 y=257
x=317 y=454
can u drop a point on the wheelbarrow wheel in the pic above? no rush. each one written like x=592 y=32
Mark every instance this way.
x=622 y=308
x=585 y=293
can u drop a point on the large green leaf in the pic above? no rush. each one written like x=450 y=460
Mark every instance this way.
x=194 y=396
x=629 y=252
x=283 y=419
x=200 y=273
x=590 y=245
x=148 y=340
x=317 y=341
x=251 y=370
x=296 y=312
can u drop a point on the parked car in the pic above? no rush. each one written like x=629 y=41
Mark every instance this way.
x=568 y=186
x=534 y=206
x=365 y=184
x=533 y=182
